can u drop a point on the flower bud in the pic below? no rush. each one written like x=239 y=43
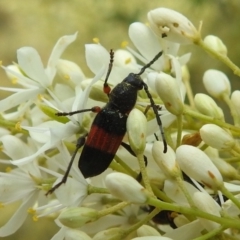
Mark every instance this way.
x=73 y=234
x=216 y=137
x=146 y=230
x=197 y=165
x=226 y=169
x=123 y=58
x=166 y=161
x=152 y=238
x=216 y=83
x=236 y=102
x=172 y=25
x=136 y=129
x=205 y=202
x=125 y=188
x=169 y=91
x=76 y=217
x=107 y=234
x=96 y=92
x=206 y=105
x=216 y=44
x=68 y=70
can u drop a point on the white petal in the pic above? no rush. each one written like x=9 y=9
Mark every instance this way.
x=175 y=193
x=216 y=83
x=71 y=193
x=186 y=232
x=17 y=98
x=57 y=51
x=14 y=187
x=60 y=234
x=144 y=40
x=14 y=147
x=19 y=217
x=97 y=57
x=30 y=62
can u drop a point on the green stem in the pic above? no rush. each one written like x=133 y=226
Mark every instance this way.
x=234 y=223
x=179 y=131
x=113 y=209
x=124 y=233
x=143 y=170
x=211 y=120
x=185 y=191
x=125 y=166
x=234 y=114
x=93 y=189
x=230 y=196
x=211 y=233
x=160 y=194
x=219 y=56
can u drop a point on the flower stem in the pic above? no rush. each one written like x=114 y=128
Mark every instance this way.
x=179 y=132
x=124 y=233
x=143 y=170
x=229 y=195
x=211 y=120
x=211 y=233
x=219 y=56
x=195 y=212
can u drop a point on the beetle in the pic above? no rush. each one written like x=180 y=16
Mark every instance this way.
x=109 y=126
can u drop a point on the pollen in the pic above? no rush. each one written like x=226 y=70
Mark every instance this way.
x=14 y=80
x=96 y=40
x=31 y=211
x=8 y=169
x=124 y=44
x=35 y=218
x=128 y=60
x=66 y=77
x=40 y=97
x=18 y=126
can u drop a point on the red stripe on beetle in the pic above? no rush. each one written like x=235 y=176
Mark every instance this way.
x=100 y=139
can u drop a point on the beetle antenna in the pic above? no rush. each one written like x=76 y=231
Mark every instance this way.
x=106 y=88
x=150 y=63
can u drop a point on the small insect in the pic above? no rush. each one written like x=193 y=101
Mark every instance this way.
x=109 y=126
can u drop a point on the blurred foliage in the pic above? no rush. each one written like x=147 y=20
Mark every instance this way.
x=39 y=23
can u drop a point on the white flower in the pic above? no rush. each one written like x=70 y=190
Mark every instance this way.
x=169 y=91
x=216 y=83
x=172 y=25
x=36 y=80
x=125 y=188
x=196 y=164
x=146 y=230
x=208 y=106
x=216 y=44
x=136 y=129
x=18 y=185
x=152 y=238
x=235 y=101
x=75 y=217
x=205 y=202
x=223 y=141
x=69 y=71
x=166 y=161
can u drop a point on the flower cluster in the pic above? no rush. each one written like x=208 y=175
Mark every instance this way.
x=189 y=192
